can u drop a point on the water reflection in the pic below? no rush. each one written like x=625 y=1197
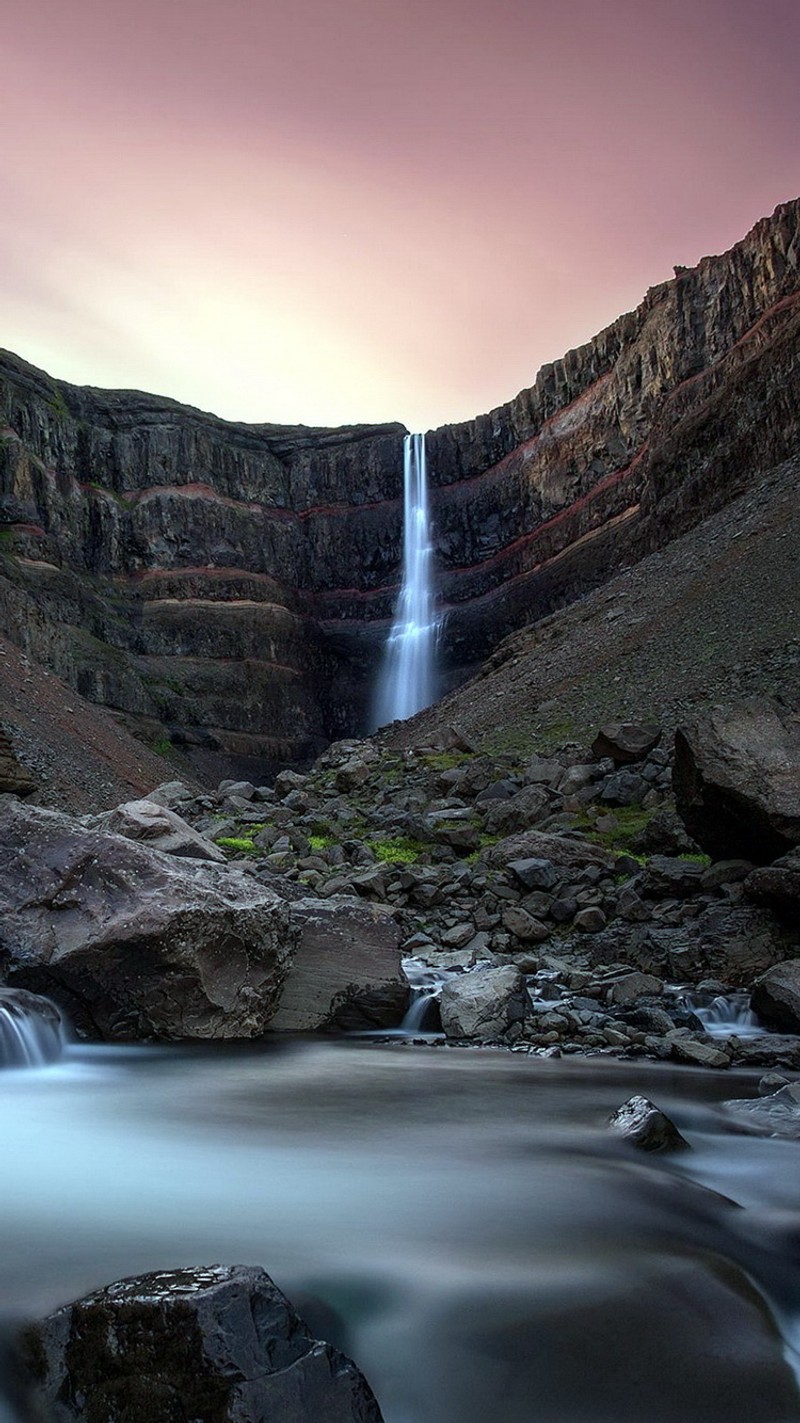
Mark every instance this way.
x=460 y=1221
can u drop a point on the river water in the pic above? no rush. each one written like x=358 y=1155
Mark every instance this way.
x=461 y=1222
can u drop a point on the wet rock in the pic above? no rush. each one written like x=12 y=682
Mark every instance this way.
x=644 y=1125
x=776 y=996
x=626 y=741
x=775 y=1115
x=737 y=780
x=483 y=1003
x=220 y=1343
x=698 y=1054
x=159 y=827
x=346 y=971
x=132 y=943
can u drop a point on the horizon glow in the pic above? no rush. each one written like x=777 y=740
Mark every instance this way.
x=366 y=212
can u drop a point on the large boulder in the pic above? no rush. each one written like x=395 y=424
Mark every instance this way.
x=135 y=944
x=346 y=971
x=159 y=827
x=220 y=1343
x=483 y=1003
x=737 y=780
x=543 y=845
x=776 y=996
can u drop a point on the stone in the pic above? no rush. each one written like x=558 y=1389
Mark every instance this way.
x=576 y=778
x=219 y=1343
x=346 y=970
x=524 y=926
x=484 y=1003
x=159 y=827
x=626 y=741
x=352 y=774
x=778 y=886
x=590 y=919
x=776 y=996
x=645 y=1126
x=737 y=780
x=171 y=794
x=288 y=781
x=634 y=985
x=519 y=812
x=697 y=1054
x=623 y=788
x=541 y=772
x=134 y=944
x=534 y=873
x=668 y=877
x=570 y=852
x=236 y=790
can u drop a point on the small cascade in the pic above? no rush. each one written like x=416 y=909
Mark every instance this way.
x=727 y=1015
x=426 y=986
x=32 y=1030
x=408 y=681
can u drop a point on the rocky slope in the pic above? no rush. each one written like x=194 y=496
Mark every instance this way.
x=228 y=586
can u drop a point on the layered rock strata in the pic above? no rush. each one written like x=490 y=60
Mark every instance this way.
x=233 y=583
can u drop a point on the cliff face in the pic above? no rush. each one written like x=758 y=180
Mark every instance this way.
x=230 y=585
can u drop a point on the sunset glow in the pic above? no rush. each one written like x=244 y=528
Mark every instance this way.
x=371 y=211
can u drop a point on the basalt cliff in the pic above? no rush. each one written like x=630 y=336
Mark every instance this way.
x=228 y=587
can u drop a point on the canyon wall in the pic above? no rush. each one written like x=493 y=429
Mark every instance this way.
x=229 y=586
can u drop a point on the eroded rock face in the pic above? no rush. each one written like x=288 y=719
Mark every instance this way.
x=14 y=779
x=220 y=1343
x=737 y=780
x=234 y=583
x=346 y=970
x=132 y=943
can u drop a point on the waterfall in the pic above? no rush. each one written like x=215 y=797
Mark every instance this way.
x=407 y=682
x=727 y=1015
x=31 y=1030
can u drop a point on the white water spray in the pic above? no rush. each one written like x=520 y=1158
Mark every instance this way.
x=407 y=682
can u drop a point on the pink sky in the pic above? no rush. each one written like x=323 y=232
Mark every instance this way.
x=337 y=210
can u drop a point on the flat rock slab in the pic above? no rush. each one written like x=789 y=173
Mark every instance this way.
x=775 y=1115
x=132 y=943
x=219 y=1344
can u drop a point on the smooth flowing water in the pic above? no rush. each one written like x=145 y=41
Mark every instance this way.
x=461 y=1222
x=407 y=682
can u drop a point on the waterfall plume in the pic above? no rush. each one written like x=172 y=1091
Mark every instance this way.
x=408 y=679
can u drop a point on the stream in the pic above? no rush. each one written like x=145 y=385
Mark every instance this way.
x=460 y=1221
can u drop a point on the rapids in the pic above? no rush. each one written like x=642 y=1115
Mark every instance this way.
x=461 y=1222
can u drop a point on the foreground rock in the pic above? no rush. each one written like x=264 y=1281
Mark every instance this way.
x=737 y=781
x=221 y=1344
x=641 y=1123
x=132 y=943
x=776 y=996
x=346 y=971
x=484 y=1003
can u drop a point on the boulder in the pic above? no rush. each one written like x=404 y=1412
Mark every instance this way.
x=699 y=1054
x=220 y=1343
x=572 y=853
x=132 y=943
x=634 y=985
x=483 y=1003
x=670 y=877
x=777 y=1114
x=346 y=971
x=644 y=1125
x=159 y=827
x=520 y=812
x=626 y=741
x=171 y=794
x=737 y=781
x=624 y=788
x=523 y=925
x=776 y=996
x=778 y=886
